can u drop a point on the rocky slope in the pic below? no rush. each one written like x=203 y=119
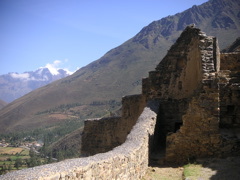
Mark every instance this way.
x=2 y=104
x=234 y=47
x=96 y=89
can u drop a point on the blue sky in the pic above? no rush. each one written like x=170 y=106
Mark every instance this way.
x=35 y=33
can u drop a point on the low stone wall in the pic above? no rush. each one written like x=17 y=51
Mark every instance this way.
x=230 y=61
x=128 y=161
x=99 y=135
x=102 y=135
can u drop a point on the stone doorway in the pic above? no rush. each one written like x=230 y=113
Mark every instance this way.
x=169 y=120
x=158 y=144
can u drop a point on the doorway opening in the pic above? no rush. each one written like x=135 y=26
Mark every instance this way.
x=177 y=126
x=169 y=120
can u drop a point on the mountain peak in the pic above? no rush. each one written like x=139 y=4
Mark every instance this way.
x=51 y=69
x=54 y=71
x=15 y=85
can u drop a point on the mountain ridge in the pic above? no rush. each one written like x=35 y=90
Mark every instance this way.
x=2 y=104
x=14 y=85
x=120 y=70
x=234 y=47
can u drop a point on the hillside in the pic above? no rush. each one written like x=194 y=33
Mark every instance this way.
x=96 y=89
x=2 y=104
x=69 y=146
x=234 y=47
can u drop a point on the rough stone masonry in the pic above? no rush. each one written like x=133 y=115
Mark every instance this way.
x=199 y=93
x=198 y=90
x=189 y=108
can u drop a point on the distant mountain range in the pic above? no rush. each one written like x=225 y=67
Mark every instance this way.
x=96 y=89
x=15 y=85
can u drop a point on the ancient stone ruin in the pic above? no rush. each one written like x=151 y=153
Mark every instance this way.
x=198 y=91
x=189 y=108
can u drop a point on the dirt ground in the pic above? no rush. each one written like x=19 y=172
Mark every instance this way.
x=208 y=169
x=164 y=173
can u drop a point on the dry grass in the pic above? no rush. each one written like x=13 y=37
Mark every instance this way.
x=192 y=171
x=10 y=150
x=3 y=158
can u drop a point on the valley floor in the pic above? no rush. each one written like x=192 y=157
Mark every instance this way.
x=203 y=169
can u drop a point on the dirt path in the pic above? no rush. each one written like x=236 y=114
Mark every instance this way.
x=203 y=169
x=164 y=173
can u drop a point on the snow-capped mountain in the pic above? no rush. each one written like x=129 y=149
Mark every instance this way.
x=15 y=85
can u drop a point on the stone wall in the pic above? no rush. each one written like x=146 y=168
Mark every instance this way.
x=128 y=161
x=199 y=135
x=179 y=74
x=230 y=61
x=102 y=135
x=197 y=94
x=187 y=71
x=229 y=84
x=199 y=99
x=99 y=135
x=211 y=123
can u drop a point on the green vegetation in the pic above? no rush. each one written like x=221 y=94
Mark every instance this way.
x=48 y=134
x=73 y=109
x=17 y=157
x=13 y=158
x=61 y=108
x=192 y=171
x=25 y=159
x=67 y=153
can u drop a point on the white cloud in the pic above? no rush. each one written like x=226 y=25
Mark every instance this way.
x=20 y=76
x=23 y=76
x=68 y=72
x=55 y=66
